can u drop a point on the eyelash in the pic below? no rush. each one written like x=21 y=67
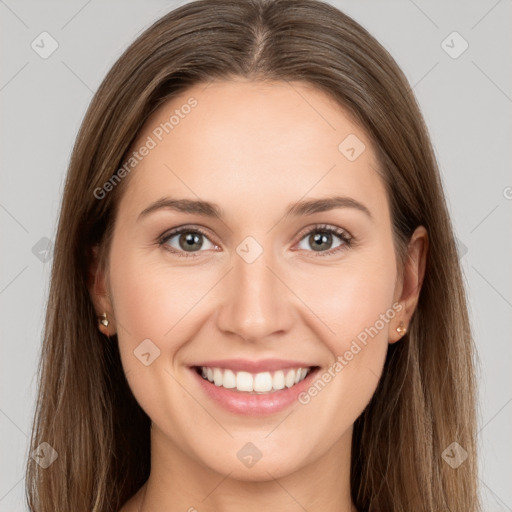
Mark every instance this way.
x=321 y=228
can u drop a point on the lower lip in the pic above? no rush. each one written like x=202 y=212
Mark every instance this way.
x=249 y=404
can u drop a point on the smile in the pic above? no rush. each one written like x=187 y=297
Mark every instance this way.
x=251 y=387
x=258 y=383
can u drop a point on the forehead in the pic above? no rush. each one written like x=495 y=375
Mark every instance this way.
x=252 y=143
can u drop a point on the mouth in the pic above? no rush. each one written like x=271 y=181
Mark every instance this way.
x=261 y=383
x=248 y=387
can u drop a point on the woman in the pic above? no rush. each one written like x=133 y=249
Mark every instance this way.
x=256 y=300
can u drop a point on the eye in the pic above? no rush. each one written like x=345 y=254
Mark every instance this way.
x=185 y=240
x=320 y=238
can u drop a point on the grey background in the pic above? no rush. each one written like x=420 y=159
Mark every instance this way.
x=467 y=103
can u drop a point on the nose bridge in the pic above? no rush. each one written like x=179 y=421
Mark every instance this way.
x=255 y=301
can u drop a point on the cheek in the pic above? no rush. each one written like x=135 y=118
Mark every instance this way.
x=355 y=304
x=138 y=308
x=349 y=297
x=158 y=301
x=153 y=307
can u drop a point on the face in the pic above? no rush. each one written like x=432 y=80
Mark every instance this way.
x=256 y=284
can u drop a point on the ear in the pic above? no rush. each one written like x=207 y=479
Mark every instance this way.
x=411 y=281
x=98 y=291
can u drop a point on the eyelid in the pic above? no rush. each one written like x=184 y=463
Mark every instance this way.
x=324 y=227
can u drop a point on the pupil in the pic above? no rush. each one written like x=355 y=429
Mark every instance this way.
x=320 y=239
x=189 y=239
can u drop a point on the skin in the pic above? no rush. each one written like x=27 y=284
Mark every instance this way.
x=253 y=148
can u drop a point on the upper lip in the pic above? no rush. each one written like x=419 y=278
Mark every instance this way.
x=246 y=365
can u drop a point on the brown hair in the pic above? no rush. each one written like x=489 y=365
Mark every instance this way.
x=425 y=398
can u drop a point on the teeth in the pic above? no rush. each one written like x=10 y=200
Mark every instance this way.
x=278 y=380
x=263 y=382
x=217 y=376
x=229 y=380
x=244 y=381
x=289 y=379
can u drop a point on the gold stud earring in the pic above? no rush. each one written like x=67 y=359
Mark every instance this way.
x=103 y=319
x=401 y=329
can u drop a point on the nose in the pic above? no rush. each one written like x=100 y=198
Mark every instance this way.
x=256 y=301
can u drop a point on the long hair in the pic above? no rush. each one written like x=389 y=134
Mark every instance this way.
x=424 y=401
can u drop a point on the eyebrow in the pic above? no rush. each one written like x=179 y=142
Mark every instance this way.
x=213 y=210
